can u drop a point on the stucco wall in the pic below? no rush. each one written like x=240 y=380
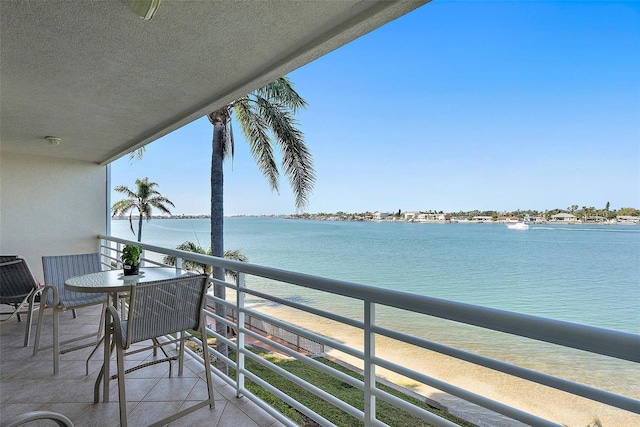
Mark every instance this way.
x=50 y=206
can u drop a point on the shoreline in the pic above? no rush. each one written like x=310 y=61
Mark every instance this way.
x=539 y=400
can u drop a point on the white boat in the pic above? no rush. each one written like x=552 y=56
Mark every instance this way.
x=520 y=225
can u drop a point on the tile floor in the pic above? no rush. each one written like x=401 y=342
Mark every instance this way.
x=27 y=384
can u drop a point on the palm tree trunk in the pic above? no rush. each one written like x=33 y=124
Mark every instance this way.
x=217 y=224
x=140 y=228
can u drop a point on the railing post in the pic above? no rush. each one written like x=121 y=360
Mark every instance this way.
x=178 y=264
x=369 y=368
x=118 y=252
x=103 y=250
x=240 y=341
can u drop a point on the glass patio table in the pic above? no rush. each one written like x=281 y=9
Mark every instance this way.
x=113 y=282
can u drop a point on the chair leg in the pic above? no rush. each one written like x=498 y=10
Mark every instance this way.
x=181 y=353
x=27 y=331
x=207 y=364
x=36 y=343
x=101 y=324
x=56 y=341
x=122 y=397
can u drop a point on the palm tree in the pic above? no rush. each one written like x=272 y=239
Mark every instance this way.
x=143 y=199
x=264 y=113
x=235 y=255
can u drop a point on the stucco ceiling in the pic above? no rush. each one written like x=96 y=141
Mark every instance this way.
x=107 y=82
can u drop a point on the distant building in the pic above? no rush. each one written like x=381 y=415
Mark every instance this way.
x=627 y=219
x=410 y=216
x=431 y=217
x=482 y=218
x=565 y=218
x=379 y=216
x=597 y=218
x=459 y=219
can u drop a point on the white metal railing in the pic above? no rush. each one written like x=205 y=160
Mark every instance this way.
x=614 y=344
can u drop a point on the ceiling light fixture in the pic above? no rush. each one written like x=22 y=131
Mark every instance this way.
x=145 y=9
x=53 y=140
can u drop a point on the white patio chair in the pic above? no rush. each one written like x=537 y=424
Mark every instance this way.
x=57 y=269
x=157 y=309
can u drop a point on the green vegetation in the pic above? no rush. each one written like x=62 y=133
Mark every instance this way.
x=347 y=393
x=142 y=199
x=188 y=246
x=131 y=254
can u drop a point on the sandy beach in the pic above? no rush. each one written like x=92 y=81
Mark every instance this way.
x=540 y=400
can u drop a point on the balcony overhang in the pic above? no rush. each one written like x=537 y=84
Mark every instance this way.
x=107 y=82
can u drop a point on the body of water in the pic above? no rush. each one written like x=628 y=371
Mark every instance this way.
x=579 y=273
x=586 y=274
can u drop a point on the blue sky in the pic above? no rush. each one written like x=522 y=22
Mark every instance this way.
x=454 y=106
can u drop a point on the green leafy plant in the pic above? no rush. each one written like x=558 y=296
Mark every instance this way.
x=131 y=254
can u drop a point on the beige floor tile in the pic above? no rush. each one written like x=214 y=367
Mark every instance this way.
x=202 y=417
x=257 y=414
x=168 y=389
x=136 y=388
x=145 y=413
x=232 y=416
x=27 y=383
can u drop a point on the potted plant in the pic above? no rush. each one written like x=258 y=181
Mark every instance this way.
x=131 y=259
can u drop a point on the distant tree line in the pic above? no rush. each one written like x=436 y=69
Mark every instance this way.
x=583 y=212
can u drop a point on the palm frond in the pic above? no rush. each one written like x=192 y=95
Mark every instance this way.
x=298 y=167
x=296 y=159
x=126 y=191
x=160 y=202
x=131 y=222
x=139 y=153
x=255 y=130
x=122 y=207
x=235 y=255
x=203 y=268
x=281 y=91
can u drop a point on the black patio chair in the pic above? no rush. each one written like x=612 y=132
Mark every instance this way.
x=18 y=289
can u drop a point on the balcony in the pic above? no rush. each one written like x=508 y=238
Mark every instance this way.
x=28 y=384
x=263 y=319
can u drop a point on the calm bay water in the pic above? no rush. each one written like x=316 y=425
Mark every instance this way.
x=584 y=274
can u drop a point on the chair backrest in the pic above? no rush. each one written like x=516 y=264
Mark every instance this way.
x=165 y=306
x=5 y=258
x=16 y=281
x=59 y=268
